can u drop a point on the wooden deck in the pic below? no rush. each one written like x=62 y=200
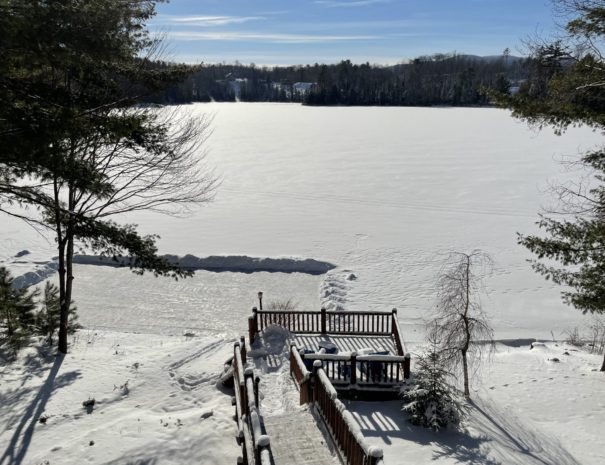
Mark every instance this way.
x=346 y=344
x=371 y=360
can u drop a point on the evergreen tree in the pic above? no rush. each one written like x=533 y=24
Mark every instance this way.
x=566 y=89
x=71 y=142
x=48 y=317
x=17 y=307
x=431 y=401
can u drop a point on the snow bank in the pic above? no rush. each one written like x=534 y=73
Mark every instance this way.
x=234 y=263
x=36 y=276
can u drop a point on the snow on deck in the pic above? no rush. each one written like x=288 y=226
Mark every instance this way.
x=346 y=343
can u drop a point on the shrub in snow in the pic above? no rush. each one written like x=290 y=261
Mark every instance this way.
x=431 y=402
x=281 y=305
x=48 y=318
x=17 y=316
x=89 y=405
x=123 y=389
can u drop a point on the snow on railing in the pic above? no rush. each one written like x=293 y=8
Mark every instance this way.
x=251 y=436
x=342 y=426
x=301 y=375
x=316 y=388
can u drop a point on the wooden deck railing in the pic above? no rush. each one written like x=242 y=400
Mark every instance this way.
x=315 y=388
x=362 y=370
x=256 y=449
x=301 y=376
x=341 y=424
x=341 y=323
x=311 y=322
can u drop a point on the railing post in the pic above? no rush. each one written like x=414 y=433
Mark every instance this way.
x=256 y=391
x=354 y=368
x=316 y=366
x=393 y=320
x=375 y=455
x=323 y=321
x=248 y=373
x=243 y=347
x=253 y=325
x=406 y=366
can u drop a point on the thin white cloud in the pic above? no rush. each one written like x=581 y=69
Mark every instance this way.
x=211 y=20
x=349 y=4
x=266 y=37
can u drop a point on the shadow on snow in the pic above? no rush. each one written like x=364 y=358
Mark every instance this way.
x=24 y=422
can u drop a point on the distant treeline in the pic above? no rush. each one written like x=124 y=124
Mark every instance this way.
x=442 y=79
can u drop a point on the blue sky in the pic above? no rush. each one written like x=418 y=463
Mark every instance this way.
x=280 y=32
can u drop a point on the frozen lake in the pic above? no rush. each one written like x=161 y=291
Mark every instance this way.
x=383 y=193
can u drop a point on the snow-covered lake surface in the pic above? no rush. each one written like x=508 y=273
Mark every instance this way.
x=382 y=192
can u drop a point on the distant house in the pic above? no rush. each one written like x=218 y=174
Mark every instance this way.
x=235 y=85
x=302 y=88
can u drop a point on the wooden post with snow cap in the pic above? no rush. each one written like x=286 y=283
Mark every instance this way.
x=316 y=366
x=323 y=320
x=375 y=455
x=353 y=367
x=249 y=396
x=253 y=325
x=243 y=348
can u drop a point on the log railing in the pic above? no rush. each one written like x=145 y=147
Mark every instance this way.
x=256 y=449
x=342 y=426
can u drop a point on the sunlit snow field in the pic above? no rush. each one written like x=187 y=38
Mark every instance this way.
x=382 y=192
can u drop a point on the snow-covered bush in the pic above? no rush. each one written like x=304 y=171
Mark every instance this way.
x=431 y=402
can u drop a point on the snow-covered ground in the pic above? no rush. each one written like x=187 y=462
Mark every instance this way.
x=156 y=402
x=383 y=194
x=526 y=409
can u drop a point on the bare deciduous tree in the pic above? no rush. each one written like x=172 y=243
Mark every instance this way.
x=160 y=170
x=460 y=323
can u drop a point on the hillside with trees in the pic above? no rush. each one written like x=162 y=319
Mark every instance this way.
x=440 y=79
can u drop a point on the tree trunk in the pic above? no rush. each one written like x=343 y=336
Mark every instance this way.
x=66 y=303
x=68 y=277
x=603 y=365
x=467 y=392
x=467 y=332
x=62 y=336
